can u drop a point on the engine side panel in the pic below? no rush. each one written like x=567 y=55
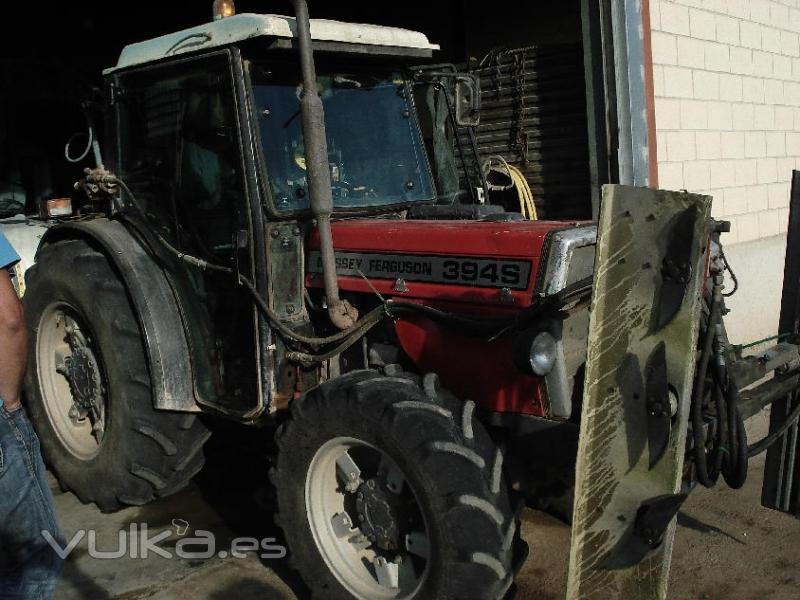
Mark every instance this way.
x=471 y=367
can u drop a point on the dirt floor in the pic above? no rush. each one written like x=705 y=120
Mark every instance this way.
x=727 y=546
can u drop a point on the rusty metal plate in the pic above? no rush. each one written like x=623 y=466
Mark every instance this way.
x=286 y=269
x=640 y=366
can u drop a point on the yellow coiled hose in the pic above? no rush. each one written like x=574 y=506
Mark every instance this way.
x=526 y=204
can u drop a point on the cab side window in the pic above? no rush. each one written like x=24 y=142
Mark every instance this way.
x=181 y=152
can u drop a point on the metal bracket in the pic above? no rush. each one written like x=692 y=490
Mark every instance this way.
x=286 y=269
x=115 y=93
x=659 y=421
x=647 y=533
x=781 y=489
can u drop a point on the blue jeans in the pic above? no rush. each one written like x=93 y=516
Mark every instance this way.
x=29 y=566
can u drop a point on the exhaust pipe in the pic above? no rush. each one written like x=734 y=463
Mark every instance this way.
x=341 y=313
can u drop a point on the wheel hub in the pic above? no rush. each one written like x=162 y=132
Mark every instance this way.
x=380 y=514
x=366 y=521
x=83 y=375
x=82 y=372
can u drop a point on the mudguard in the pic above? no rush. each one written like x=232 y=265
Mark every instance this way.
x=154 y=304
x=646 y=303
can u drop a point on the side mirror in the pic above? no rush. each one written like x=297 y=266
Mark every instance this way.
x=468 y=100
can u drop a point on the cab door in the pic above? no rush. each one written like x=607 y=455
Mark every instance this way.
x=180 y=152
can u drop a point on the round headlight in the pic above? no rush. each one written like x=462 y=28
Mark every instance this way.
x=543 y=353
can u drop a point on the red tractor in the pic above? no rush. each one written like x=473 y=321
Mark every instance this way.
x=314 y=248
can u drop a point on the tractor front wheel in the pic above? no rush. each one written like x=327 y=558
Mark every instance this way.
x=389 y=488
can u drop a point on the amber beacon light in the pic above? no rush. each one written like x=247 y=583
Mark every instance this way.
x=223 y=9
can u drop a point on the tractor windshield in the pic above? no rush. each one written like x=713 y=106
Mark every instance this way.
x=376 y=153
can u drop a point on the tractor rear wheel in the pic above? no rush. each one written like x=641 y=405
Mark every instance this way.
x=389 y=488
x=89 y=390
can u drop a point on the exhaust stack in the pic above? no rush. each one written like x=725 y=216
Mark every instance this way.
x=341 y=313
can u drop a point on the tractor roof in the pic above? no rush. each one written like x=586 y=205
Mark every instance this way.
x=343 y=37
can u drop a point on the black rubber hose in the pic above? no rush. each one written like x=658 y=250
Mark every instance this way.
x=187 y=258
x=729 y=454
x=497 y=324
x=735 y=465
x=698 y=439
x=736 y=473
x=726 y=438
x=773 y=437
x=474 y=324
x=311 y=359
x=742 y=462
x=365 y=323
x=720 y=434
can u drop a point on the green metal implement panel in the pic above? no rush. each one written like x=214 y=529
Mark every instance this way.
x=646 y=304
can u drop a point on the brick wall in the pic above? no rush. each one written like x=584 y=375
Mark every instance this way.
x=727 y=87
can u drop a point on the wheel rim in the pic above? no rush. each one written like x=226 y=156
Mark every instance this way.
x=366 y=521
x=71 y=380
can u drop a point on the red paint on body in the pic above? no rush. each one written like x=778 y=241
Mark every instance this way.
x=472 y=367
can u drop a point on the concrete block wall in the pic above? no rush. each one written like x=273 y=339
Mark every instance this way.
x=727 y=97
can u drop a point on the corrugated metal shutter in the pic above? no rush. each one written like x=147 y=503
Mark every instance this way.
x=534 y=116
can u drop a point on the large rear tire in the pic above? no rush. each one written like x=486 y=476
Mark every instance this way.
x=89 y=390
x=389 y=488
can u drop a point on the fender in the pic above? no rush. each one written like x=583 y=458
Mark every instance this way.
x=154 y=304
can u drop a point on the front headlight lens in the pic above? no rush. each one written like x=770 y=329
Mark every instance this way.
x=543 y=353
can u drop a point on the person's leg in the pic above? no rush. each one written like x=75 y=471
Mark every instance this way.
x=29 y=566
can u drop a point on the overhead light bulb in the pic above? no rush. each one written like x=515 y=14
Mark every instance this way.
x=223 y=9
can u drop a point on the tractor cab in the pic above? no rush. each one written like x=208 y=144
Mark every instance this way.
x=209 y=127
x=236 y=80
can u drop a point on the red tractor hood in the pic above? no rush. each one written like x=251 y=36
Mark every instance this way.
x=448 y=261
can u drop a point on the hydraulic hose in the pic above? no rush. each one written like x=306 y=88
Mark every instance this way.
x=728 y=454
x=726 y=433
x=761 y=446
x=706 y=474
x=477 y=325
x=734 y=438
x=362 y=326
